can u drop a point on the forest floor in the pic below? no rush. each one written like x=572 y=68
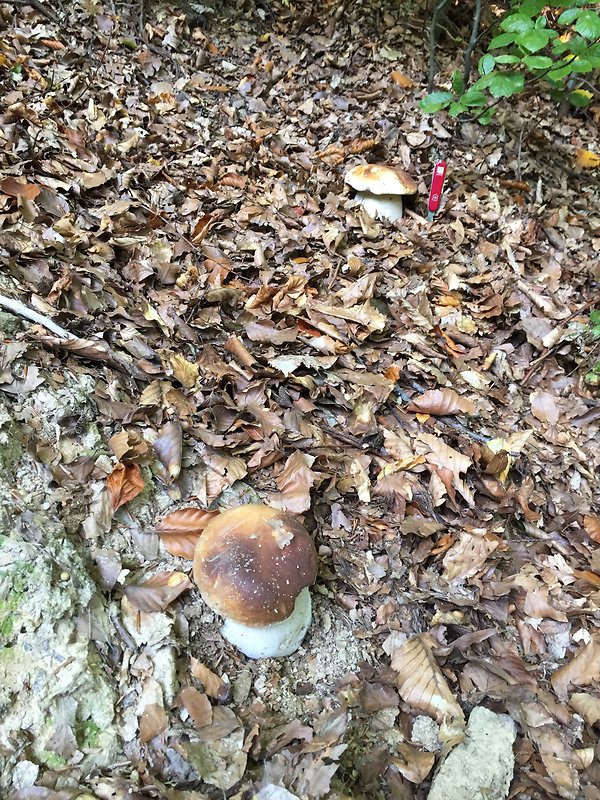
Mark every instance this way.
x=221 y=322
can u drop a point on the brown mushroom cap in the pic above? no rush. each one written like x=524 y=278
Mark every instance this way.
x=379 y=179
x=251 y=563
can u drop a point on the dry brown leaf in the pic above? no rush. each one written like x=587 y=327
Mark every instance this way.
x=536 y=605
x=233 y=179
x=214 y=686
x=469 y=553
x=583 y=669
x=421 y=682
x=186 y=372
x=152 y=722
x=294 y=483
x=587 y=706
x=20 y=189
x=264 y=330
x=224 y=722
x=128 y=444
x=441 y=402
x=586 y=159
x=124 y=483
x=180 y=530
x=414 y=764
x=201 y=228
x=169 y=448
x=401 y=80
x=591 y=525
x=197 y=705
x=158 y=592
x=544 y=408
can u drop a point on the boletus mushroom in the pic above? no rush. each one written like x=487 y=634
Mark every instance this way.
x=253 y=566
x=380 y=189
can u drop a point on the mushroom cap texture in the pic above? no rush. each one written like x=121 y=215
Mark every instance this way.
x=251 y=563
x=379 y=179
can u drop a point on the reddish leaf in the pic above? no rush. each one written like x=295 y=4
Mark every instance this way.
x=152 y=722
x=15 y=188
x=591 y=525
x=124 y=483
x=197 y=705
x=157 y=592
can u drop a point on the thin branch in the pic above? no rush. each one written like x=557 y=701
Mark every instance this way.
x=472 y=42
x=21 y=310
x=433 y=34
x=39 y=7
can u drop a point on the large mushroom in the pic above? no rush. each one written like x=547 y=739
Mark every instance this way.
x=380 y=189
x=253 y=565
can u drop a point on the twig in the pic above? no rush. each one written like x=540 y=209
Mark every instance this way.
x=21 y=310
x=472 y=43
x=433 y=34
x=39 y=7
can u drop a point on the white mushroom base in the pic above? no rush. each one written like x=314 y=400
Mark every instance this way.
x=384 y=206
x=276 y=640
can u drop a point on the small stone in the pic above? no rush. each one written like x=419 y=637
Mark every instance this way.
x=481 y=767
x=425 y=733
x=24 y=774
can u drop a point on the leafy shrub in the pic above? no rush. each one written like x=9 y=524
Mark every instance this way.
x=552 y=41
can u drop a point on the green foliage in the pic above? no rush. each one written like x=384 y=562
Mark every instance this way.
x=552 y=41
x=593 y=376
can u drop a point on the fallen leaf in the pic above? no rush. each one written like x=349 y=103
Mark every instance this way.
x=20 y=189
x=401 y=80
x=414 y=764
x=158 y=592
x=583 y=669
x=124 y=483
x=197 y=705
x=294 y=483
x=591 y=525
x=169 y=447
x=544 y=408
x=441 y=402
x=587 y=706
x=586 y=159
x=153 y=721
x=214 y=686
x=421 y=682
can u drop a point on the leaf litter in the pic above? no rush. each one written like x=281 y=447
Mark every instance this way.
x=229 y=326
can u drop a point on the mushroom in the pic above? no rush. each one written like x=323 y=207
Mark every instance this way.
x=253 y=565
x=380 y=189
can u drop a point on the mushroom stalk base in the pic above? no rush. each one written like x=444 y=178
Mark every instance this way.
x=384 y=206
x=276 y=640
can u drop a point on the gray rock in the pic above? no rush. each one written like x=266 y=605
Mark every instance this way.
x=481 y=767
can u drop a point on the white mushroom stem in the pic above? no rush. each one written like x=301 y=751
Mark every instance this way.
x=384 y=206
x=275 y=640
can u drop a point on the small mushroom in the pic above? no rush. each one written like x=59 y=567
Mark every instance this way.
x=380 y=189
x=253 y=565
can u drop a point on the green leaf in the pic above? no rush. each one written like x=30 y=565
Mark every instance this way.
x=537 y=62
x=473 y=98
x=458 y=84
x=502 y=40
x=580 y=98
x=516 y=23
x=533 y=40
x=435 y=102
x=588 y=24
x=557 y=75
x=581 y=65
x=507 y=59
x=567 y=17
x=505 y=84
x=456 y=109
x=486 y=64
x=531 y=7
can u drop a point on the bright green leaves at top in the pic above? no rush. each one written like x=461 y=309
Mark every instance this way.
x=532 y=43
x=588 y=24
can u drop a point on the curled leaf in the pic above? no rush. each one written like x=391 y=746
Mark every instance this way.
x=441 y=402
x=421 y=682
x=158 y=592
x=580 y=671
x=169 y=448
x=179 y=531
x=124 y=483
